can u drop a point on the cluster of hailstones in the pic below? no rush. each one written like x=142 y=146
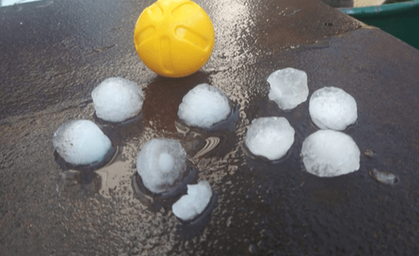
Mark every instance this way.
x=327 y=152
x=161 y=163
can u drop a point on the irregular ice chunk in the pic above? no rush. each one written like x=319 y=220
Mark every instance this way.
x=288 y=88
x=328 y=153
x=161 y=164
x=332 y=108
x=384 y=177
x=117 y=99
x=191 y=205
x=270 y=137
x=81 y=142
x=204 y=106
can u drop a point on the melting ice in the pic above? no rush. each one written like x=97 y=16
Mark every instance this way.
x=384 y=177
x=194 y=203
x=81 y=142
x=332 y=108
x=161 y=164
x=270 y=137
x=204 y=106
x=288 y=88
x=117 y=99
x=328 y=153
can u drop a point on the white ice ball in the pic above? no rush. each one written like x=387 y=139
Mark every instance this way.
x=161 y=164
x=204 y=106
x=332 y=108
x=288 y=88
x=81 y=142
x=117 y=99
x=328 y=153
x=194 y=203
x=270 y=137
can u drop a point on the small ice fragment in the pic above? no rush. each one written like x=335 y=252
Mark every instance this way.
x=270 y=137
x=288 y=88
x=117 y=99
x=332 y=108
x=194 y=203
x=81 y=142
x=161 y=164
x=369 y=153
x=328 y=153
x=204 y=106
x=384 y=177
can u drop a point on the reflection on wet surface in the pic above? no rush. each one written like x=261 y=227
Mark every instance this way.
x=12 y=2
x=210 y=144
x=265 y=208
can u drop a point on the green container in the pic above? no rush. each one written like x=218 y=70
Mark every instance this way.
x=399 y=19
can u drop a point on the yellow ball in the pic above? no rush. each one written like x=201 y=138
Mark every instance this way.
x=174 y=38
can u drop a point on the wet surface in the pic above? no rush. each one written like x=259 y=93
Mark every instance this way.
x=53 y=53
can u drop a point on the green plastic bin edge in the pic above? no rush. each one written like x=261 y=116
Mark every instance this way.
x=381 y=11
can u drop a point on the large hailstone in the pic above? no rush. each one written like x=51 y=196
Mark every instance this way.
x=194 y=203
x=161 y=164
x=328 y=153
x=204 y=106
x=270 y=137
x=288 y=88
x=332 y=108
x=117 y=99
x=81 y=142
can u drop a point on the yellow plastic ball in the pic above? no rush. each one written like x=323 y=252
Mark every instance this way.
x=174 y=38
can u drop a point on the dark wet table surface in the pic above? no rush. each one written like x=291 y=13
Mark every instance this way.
x=53 y=53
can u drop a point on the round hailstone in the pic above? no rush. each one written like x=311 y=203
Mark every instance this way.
x=194 y=203
x=117 y=99
x=332 y=108
x=328 y=153
x=81 y=142
x=270 y=137
x=204 y=106
x=161 y=164
x=288 y=88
